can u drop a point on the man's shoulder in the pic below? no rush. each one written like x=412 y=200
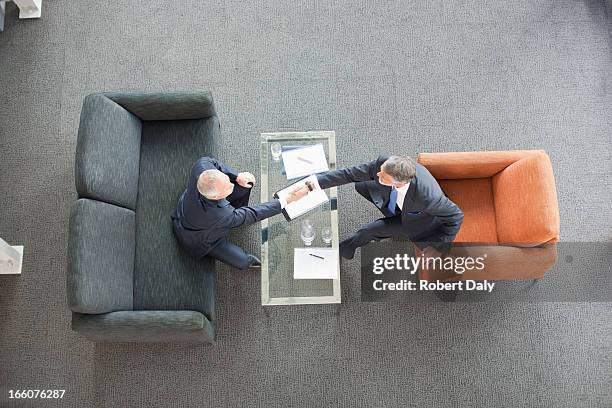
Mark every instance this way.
x=382 y=158
x=205 y=162
x=425 y=182
x=202 y=164
x=423 y=174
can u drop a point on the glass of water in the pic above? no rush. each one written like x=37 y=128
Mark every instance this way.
x=326 y=234
x=275 y=149
x=307 y=232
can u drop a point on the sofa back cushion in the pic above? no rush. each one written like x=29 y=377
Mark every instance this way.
x=526 y=208
x=108 y=152
x=101 y=257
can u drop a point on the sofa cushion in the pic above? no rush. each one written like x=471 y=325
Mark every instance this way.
x=108 y=152
x=166 y=277
x=526 y=209
x=101 y=257
x=475 y=198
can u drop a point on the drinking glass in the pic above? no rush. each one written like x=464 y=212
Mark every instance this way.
x=275 y=149
x=307 y=232
x=326 y=234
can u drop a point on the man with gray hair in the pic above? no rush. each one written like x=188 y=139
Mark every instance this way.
x=215 y=201
x=411 y=200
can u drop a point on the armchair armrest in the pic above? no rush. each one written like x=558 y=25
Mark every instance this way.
x=166 y=105
x=525 y=200
x=146 y=326
x=467 y=165
x=502 y=263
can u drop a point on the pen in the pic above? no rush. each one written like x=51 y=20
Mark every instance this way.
x=304 y=160
x=316 y=256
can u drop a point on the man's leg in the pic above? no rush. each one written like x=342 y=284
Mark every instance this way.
x=374 y=231
x=231 y=254
x=239 y=197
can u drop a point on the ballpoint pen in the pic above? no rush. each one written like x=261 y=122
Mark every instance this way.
x=304 y=160
x=316 y=256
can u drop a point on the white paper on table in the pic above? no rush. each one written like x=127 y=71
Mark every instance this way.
x=304 y=161
x=306 y=266
x=312 y=200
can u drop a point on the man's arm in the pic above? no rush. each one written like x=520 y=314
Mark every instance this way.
x=252 y=214
x=218 y=164
x=361 y=172
x=451 y=216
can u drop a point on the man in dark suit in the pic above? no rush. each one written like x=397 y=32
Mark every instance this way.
x=411 y=200
x=215 y=201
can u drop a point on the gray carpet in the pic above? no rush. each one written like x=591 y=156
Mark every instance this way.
x=387 y=76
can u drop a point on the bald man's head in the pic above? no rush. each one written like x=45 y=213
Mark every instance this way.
x=214 y=184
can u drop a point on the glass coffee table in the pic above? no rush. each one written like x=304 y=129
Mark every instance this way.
x=280 y=237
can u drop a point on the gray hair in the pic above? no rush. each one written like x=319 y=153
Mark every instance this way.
x=207 y=182
x=401 y=169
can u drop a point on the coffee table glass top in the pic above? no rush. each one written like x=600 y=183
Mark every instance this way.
x=280 y=237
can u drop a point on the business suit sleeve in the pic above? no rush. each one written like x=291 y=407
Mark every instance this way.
x=222 y=167
x=362 y=172
x=252 y=214
x=451 y=216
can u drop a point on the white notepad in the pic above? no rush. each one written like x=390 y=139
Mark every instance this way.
x=307 y=266
x=314 y=198
x=304 y=161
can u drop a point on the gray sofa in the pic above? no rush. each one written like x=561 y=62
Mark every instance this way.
x=128 y=281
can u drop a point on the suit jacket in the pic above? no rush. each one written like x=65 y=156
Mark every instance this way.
x=200 y=224
x=427 y=214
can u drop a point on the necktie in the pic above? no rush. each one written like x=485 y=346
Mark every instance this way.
x=392 y=200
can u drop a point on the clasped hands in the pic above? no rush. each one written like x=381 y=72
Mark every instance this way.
x=298 y=192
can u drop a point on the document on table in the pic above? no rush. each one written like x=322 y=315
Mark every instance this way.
x=315 y=263
x=312 y=200
x=304 y=161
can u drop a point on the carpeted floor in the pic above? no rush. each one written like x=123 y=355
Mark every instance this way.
x=387 y=76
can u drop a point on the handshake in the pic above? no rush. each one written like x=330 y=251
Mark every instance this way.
x=298 y=192
x=247 y=180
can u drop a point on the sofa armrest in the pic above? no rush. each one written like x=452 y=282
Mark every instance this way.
x=166 y=105
x=467 y=165
x=146 y=326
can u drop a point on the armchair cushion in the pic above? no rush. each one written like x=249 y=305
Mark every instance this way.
x=526 y=208
x=101 y=257
x=475 y=198
x=108 y=152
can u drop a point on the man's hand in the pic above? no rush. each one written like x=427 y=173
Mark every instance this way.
x=431 y=252
x=244 y=179
x=297 y=193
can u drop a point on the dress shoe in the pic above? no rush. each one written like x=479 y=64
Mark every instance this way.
x=254 y=262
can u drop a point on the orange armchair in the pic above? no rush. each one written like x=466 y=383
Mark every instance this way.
x=510 y=205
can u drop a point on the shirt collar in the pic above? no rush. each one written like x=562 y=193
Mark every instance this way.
x=403 y=189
